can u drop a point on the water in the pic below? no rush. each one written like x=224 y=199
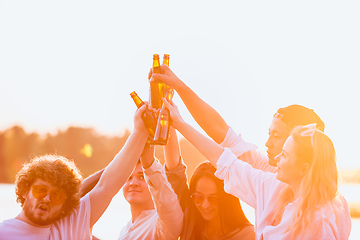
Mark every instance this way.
x=118 y=213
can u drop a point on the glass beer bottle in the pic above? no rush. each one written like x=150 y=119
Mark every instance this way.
x=147 y=116
x=157 y=90
x=161 y=136
x=169 y=92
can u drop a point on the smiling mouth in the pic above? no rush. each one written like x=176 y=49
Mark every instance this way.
x=133 y=191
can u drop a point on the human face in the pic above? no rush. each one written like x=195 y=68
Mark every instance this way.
x=207 y=188
x=42 y=208
x=136 y=190
x=288 y=170
x=278 y=133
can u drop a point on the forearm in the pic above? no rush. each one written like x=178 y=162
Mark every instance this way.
x=205 y=115
x=166 y=202
x=90 y=182
x=123 y=162
x=206 y=146
x=172 y=151
x=116 y=174
x=147 y=158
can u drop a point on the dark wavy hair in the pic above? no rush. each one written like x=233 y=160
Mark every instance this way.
x=57 y=170
x=232 y=217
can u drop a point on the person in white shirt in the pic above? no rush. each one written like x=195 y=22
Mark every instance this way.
x=48 y=190
x=299 y=201
x=284 y=120
x=155 y=209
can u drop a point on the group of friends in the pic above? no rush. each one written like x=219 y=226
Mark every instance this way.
x=293 y=189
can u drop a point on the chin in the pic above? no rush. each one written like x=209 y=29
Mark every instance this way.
x=272 y=161
x=208 y=215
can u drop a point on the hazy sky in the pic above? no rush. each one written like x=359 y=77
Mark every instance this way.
x=75 y=62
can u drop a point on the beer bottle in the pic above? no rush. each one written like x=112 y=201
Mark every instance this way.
x=147 y=116
x=169 y=92
x=157 y=90
x=161 y=136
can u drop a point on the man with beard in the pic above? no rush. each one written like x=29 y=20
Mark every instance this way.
x=48 y=190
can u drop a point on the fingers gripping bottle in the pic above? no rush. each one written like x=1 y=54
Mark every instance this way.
x=147 y=116
x=161 y=136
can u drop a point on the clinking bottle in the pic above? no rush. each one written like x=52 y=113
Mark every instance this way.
x=161 y=136
x=157 y=87
x=147 y=116
x=169 y=92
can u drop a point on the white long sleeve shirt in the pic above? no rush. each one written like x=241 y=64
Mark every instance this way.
x=166 y=220
x=246 y=151
x=261 y=189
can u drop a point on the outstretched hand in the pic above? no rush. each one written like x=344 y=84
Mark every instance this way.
x=166 y=76
x=176 y=118
x=138 y=121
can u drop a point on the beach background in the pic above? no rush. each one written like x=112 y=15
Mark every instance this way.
x=67 y=69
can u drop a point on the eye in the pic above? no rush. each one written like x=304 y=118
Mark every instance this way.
x=42 y=190
x=277 y=136
x=142 y=177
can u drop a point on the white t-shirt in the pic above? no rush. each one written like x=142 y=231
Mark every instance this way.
x=75 y=226
x=165 y=222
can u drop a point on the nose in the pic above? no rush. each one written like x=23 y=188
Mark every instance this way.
x=47 y=197
x=133 y=183
x=205 y=204
x=268 y=143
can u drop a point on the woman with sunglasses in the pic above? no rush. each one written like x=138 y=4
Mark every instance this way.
x=210 y=212
x=299 y=201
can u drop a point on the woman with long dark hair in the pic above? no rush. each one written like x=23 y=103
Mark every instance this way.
x=210 y=212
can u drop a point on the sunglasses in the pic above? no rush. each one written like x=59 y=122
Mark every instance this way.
x=198 y=199
x=57 y=197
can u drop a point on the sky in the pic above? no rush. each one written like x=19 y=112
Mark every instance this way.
x=75 y=63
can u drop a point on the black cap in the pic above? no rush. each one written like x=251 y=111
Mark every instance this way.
x=295 y=115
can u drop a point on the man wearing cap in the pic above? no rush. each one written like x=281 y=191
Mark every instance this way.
x=284 y=120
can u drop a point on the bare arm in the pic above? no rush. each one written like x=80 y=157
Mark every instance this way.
x=89 y=183
x=147 y=158
x=172 y=151
x=206 y=116
x=119 y=169
x=206 y=146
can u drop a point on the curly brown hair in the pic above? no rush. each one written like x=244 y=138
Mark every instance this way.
x=55 y=169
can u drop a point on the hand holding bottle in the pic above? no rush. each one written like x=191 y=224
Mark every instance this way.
x=139 y=124
x=176 y=118
x=166 y=76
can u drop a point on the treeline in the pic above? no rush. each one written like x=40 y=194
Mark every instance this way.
x=90 y=150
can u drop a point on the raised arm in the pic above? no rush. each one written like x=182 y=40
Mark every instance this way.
x=172 y=151
x=119 y=169
x=170 y=216
x=176 y=169
x=90 y=182
x=206 y=116
x=206 y=146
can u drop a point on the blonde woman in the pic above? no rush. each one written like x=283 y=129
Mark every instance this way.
x=299 y=201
